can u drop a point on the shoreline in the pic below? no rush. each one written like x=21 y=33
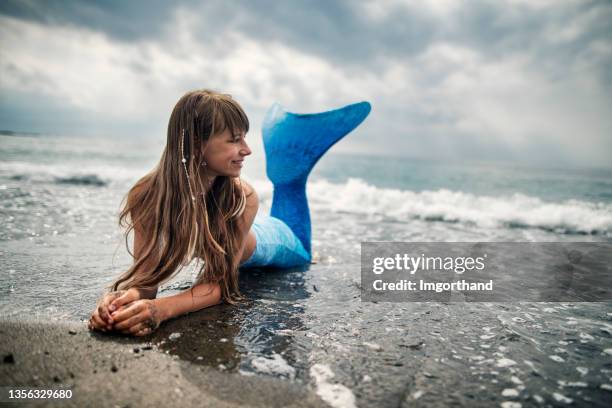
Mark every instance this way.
x=114 y=370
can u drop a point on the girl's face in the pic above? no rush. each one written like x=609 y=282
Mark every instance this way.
x=224 y=153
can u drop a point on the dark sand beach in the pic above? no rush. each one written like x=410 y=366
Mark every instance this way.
x=109 y=371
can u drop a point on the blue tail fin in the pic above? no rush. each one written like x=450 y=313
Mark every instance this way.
x=293 y=144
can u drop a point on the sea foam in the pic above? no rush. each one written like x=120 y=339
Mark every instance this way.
x=512 y=211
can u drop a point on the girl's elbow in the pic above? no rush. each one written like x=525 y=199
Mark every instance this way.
x=217 y=295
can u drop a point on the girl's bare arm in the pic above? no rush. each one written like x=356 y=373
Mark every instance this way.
x=209 y=294
x=143 y=316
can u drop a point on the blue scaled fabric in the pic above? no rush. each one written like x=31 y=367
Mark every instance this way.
x=277 y=246
x=294 y=143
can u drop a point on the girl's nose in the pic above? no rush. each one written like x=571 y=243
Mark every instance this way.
x=246 y=150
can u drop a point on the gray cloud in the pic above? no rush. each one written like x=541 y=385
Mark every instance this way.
x=121 y=20
x=511 y=80
x=338 y=30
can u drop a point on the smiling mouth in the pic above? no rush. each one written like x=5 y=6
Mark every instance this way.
x=238 y=162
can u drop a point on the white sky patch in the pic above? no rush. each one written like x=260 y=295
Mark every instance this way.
x=508 y=100
x=539 y=4
x=86 y=69
x=378 y=10
x=581 y=24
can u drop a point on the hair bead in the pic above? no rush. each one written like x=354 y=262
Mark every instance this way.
x=184 y=160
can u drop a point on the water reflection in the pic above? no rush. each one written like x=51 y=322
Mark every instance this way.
x=255 y=337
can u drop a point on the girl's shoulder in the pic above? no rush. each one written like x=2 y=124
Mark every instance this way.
x=251 y=205
x=252 y=200
x=248 y=189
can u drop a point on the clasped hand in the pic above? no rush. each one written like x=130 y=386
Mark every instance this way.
x=125 y=312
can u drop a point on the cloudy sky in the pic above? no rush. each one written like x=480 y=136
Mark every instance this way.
x=516 y=80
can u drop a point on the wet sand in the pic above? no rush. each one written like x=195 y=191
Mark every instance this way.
x=111 y=370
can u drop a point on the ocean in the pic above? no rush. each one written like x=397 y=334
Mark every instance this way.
x=61 y=246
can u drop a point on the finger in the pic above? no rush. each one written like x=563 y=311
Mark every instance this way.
x=143 y=332
x=136 y=328
x=126 y=313
x=95 y=318
x=132 y=321
x=128 y=297
x=97 y=323
x=110 y=298
x=104 y=314
x=103 y=306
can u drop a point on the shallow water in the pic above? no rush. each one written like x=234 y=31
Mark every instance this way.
x=61 y=246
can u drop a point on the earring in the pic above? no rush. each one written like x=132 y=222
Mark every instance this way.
x=204 y=163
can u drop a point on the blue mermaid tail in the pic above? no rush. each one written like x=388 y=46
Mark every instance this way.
x=293 y=144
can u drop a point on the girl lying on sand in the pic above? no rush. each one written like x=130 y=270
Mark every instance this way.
x=194 y=204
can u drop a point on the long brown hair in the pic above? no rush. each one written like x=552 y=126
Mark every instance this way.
x=178 y=227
